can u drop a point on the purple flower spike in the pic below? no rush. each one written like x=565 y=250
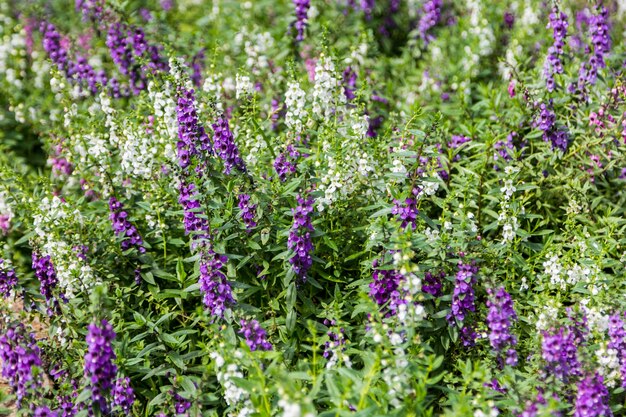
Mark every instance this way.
x=247 y=211
x=100 y=368
x=256 y=337
x=214 y=285
x=560 y=353
x=19 y=353
x=500 y=317
x=123 y=395
x=592 y=399
x=224 y=146
x=431 y=13
x=124 y=228
x=8 y=279
x=192 y=138
x=300 y=237
x=302 y=9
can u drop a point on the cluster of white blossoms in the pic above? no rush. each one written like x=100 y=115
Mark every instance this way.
x=395 y=377
x=547 y=316
x=109 y=122
x=327 y=91
x=411 y=311
x=343 y=162
x=506 y=66
x=507 y=218
x=295 y=102
x=480 y=31
x=72 y=272
x=244 y=87
x=165 y=120
x=235 y=396
x=608 y=365
x=528 y=15
x=6 y=212
x=138 y=154
x=596 y=320
x=254 y=145
x=178 y=69
x=290 y=407
x=213 y=87
x=256 y=49
x=13 y=58
x=561 y=276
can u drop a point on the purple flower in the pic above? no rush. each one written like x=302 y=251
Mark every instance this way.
x=123 y=395
x=90 y=9
x=53 y=46
x=285 y=162
x=192 y=138
x=432 y=283
x=213 y=283
x=463 y=295
x=19 y=353
x=8 y=279
x=592 y=399
x=256 y=337
x=499 y=319
x=385 y=287
x=367 y=6
x=247 y=211
x=349 y=83
x=617 y=336
x=546 y=122
x=195 y=223
x=44 y=412
x=509 y=19
x=558 y=23
x=100 y=368
x=431 y=13
x=224 y=146
x=197 y=65
x=407 y=210
x=302 y=9
x=45 y=273
x=560 y=353
x=299 y=240
x=181 y=405
x=600 y=47
x=123 y=227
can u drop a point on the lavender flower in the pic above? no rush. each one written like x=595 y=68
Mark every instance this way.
x=546 y=122
x=44 y=412
x=285 y=162
x=45 y=273
x=256 y=337
x=181 y=405
x=247 y=211
x=214 y=285
x=349 y=83
x=463 y=295
x=432 y=283
x=431 y=13
x=592 y=399
x=197 y=65
x=123 y=395
x=299 y=240
x=407 y=210
x=302 y=9
x=553 y=65
x=501 y=313
x=385 y=287
x=600 y=47
x=124 y=228
x=53 y=46
x=192 y=138
x=560 y=353
x=225 y=147
x=100 y=368
x=90 y=9
x=8 y=279
x=367 y=6
x=617 y=336
x=194 y=222
x=19 y=353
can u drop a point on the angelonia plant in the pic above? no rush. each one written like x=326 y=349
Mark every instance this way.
x=313 y=208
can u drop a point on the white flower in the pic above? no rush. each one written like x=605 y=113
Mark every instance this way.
x=244 y=87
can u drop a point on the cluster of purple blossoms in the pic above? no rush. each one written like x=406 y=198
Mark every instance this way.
x=463 y=300
x=46 y=274
x=44 y=411
x=431 y=13
x=553 y=64
x=349 y=83
x=90 y=9
x=367 y=6
x=181 y=405
x=8 y=279
x=335 y=340
x=278 y=111
x=128 y=47
x=592 y=399
x=302 y=10
x=192 y=138
x=100 y=368
x=224 y=145
x=499 y=319
x=503 y=149
x=256 y=337
x=54 y=46
x=19 y=353
x=247 y=211
x=285 y=162
x=193 y=220
x=385 y=287
x=547 y=123
x=124 y=228
x=617 y=336
x=299 y=240
x=432 y=283
x=214 y=285
x=600 y=47
x=407 y=210
x=197 y=66
x=560 y=353
x=123 y=395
